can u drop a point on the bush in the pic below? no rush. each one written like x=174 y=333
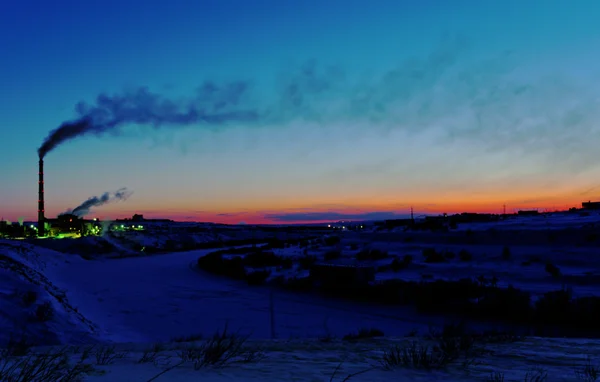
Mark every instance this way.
x=107 y=355
x=49 y=366
x=332 y=255
x=307 y=261
x=398 y=264
x=276 y=244
x=363 y=333
x=261 y=259
x=414 y=356
x=287 y=263
x=465 y=255
x=553 y=270
x=554 y=307
x=508 y=304
x=16 y=347
x=152 y=354
x=449 y=255
x=214 y=263
x=589 y=372
x=221 y=349
x=371 y=254
x=555 y=314
x=506 y=255
x=432 y=256
x=331 y=240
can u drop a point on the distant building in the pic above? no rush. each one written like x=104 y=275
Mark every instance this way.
x=137 y=218
x=528 y=213
x=471 y=217
x=140 y=218
x=393 y=223
x=590 y=205
x=66 y=223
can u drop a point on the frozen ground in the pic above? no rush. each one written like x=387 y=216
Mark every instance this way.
x=157 y=298
x=314 y=360
x=32 y=303
x=150 y=299
x=160 y=297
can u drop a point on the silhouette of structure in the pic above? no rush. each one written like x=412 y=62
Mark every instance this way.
x=41 y=219
x=589 y=205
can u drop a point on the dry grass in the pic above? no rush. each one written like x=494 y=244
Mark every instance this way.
x=50 y=366
x=107 y=355
x=415 y=355
x=589 y=372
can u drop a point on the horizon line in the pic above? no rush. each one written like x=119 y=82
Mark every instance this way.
x=313 y=222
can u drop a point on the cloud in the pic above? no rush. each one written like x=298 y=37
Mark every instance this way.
x=334 y=216
x=231 y=214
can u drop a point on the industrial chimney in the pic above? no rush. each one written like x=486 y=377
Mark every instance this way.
x=41 y=219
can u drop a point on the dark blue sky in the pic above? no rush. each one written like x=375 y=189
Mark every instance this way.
x=438 y=104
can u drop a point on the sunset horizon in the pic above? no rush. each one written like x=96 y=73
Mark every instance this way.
x=307 y=215
x=288 y=111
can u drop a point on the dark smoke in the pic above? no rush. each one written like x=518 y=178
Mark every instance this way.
x=309 y=92
x=95 y=201
x=481 y=100
x=214 y=105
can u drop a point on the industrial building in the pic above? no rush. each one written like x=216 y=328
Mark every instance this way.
x=589 y=205
x=65 y=224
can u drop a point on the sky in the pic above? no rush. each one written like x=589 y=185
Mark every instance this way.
x=300 y=111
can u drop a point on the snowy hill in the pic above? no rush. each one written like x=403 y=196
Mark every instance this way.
x=33 y=305
x=68 y=292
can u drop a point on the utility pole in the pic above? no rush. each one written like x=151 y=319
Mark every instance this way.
x=504 y=209
x=272 y=314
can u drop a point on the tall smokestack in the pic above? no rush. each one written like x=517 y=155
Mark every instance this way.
x=41 y=219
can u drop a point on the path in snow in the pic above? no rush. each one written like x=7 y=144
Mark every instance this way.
x=157 y=298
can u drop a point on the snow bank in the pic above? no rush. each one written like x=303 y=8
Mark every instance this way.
x=33 y=307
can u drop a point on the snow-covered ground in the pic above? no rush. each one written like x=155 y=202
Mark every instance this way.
x=156 y=298
x=313 y=360
x=140 y=300
x=316 y=361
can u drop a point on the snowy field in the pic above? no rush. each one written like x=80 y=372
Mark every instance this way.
x=532 y=359
x=108 y=291
x=156 y=298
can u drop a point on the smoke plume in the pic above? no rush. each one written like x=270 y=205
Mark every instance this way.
x=308 y=92
x=498 y=100
x=214 y=105
x=95 y=201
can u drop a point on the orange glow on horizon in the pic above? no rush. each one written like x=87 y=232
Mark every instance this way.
x=258 y=216
x=255 y=212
